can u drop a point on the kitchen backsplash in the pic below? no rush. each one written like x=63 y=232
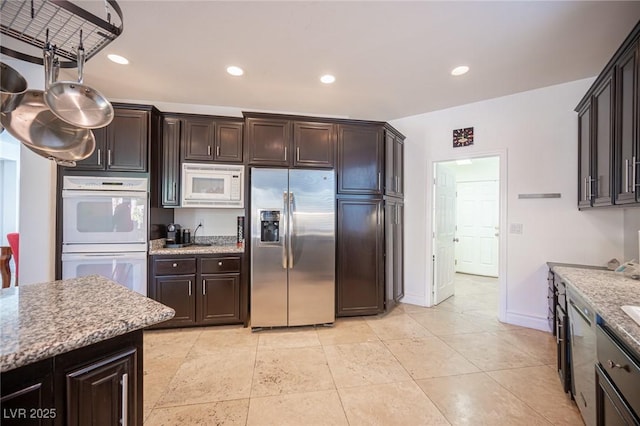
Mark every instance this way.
x=214 y=221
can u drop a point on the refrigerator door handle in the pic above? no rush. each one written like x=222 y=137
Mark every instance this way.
x=285 y=227
x=290 y=230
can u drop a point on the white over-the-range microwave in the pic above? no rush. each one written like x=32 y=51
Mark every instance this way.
x=212 y=185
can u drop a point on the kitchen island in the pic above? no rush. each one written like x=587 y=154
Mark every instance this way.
x=604 y=343
x=72 y=352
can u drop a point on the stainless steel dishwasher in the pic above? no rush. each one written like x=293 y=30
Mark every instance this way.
x=582 y=320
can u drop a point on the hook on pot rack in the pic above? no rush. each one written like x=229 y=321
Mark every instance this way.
x=26 y=23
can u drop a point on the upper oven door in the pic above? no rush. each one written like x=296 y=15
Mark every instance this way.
x=104 y=217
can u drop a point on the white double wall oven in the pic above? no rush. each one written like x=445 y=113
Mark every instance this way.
x=105 y=230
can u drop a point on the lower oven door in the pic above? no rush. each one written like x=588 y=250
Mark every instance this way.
x=128 y=269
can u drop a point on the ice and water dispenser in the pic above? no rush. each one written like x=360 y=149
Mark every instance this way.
x=270 y=226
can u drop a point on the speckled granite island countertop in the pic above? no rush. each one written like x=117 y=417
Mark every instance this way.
x=219 y=245
x=606 y=291
x=39 y=321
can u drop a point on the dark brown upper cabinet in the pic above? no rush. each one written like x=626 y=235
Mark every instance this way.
x=198 y=139
x=268 y=141
x=287 y=142
x=609 y=132
x=627 y=145
x=170 y=176
x=122 y=145
x=228 y=141
x=394 y=167
x=360 y=159
x=314 y=144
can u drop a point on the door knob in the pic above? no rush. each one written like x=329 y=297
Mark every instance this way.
x=455 y=240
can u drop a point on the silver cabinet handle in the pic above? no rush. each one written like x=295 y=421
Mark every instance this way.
x=379 y=181
x=204 y=287
x=397 y=184
x=108 y=157
x=189 y=288
x=175 y=190
x=584 y=190
x=218 y=151
x=626 y=175
x=219 y=263
x=209 y=150
x=175 y=265
x=99 y=157
x=285 y=153
x=125 y=400
x=613 y=364
x=297 y=153
x=633 y=173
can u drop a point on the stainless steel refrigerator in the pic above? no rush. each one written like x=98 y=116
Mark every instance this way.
x=292 y=247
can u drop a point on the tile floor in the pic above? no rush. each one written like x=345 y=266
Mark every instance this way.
x=451 y=364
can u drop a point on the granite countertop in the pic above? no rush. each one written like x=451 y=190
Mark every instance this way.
x=606 y=291
x=42 y=320
x=218 y=245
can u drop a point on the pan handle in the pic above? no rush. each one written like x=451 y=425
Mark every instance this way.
x=81 y=58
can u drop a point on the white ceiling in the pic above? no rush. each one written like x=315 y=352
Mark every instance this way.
x=391 y=59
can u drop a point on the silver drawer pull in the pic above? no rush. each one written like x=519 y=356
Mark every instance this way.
x=175 y=265
x=219 y=263
x=614 y=365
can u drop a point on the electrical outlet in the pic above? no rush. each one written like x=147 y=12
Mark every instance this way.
x=515 y=228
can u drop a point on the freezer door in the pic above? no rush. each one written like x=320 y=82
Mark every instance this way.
x=311 y=256
x=268 y=247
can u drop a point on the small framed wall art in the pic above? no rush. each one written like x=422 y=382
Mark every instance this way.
x=463 y=137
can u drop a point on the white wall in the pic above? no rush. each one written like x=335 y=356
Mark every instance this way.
x=631 y=233
x=37 y=199
x=538 y=130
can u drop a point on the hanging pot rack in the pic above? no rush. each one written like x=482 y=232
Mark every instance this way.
x=28 y=22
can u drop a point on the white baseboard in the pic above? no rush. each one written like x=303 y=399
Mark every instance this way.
x=528 y=321
x=414 y=299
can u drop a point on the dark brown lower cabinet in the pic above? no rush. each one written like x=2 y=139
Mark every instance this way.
x=359 y=257
x=103 y=393
x=394 y=251
x=100 y=384
x=611 y=408
x=203 y=289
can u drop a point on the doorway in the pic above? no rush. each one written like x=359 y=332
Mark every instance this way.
x=467 y=245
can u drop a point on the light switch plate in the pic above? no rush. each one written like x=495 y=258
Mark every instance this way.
x=515 y=228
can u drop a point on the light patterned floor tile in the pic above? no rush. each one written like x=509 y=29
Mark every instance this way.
x=224 y=413
x=309 y=409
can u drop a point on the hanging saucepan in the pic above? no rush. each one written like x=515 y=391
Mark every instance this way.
x=33 y=124
x=12 y=88
x=77 y=103
x=69 y=157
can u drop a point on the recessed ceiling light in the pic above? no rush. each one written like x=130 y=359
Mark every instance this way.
x=327 y=79
x=233 y=70
x=118 y=59
x=462 y=69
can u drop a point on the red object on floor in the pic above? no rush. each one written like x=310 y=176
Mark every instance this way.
x=14 y=243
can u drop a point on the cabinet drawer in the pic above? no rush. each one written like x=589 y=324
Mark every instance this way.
x=175 y=266
x=620 y=367
x=215 y=265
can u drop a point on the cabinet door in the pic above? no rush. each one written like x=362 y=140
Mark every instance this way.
x=394 y=158
x=398 y=253
x=219 y=299
x=27 y=395
x=626 y=142
x=314 y=144
x=104 y=393
x=602 y=110
x=611 y=409
x=170 y=162
x=360 y=152
x=229 y=141
x=268 y=141
x=359 y=258
x=584 y=155
x=197 y=138
x=97 y=160
x=177 y=292
x=128 y=140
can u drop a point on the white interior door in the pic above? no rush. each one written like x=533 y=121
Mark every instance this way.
x=444 y=233
x=478 y=231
